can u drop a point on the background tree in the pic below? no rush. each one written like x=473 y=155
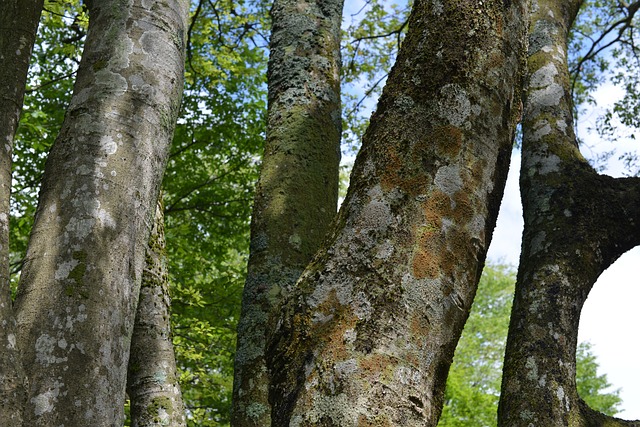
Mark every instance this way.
x=94 y=213
x=297 y=195
x=18 y=26
x=152 y=381
x=577 y=223
x=473 y=385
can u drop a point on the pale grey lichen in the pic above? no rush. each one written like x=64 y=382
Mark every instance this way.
x=65 y=268
x=45 y=346
x=448 y=179
x=544 y=76
x=532 y=373
x=346 y=368
x=108 y=145
x=454 y=105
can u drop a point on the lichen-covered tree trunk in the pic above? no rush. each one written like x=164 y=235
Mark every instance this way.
x=18 y=25
x=296 y=198
x=368 y=334
x=152 y=381
x=577 y=223
x=80 y=283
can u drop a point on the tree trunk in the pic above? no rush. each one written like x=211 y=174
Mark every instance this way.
x=18 y=25
x=152 y=381
x=577 y=223
x=368 y=335
x=297 y=195
x=80 y=283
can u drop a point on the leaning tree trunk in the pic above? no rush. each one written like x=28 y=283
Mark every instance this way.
x=81 y=278
x=296 y=198
x=577 y=223
x=18 y=25
x=152 y=380
x=368 y=335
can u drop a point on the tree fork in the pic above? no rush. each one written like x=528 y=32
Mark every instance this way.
x=296 y=197
x=577 y=223
x=368 y=334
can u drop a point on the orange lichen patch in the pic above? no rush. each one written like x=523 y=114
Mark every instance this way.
x=499 y=25
x=376 y=422
x=405 y=168
x=390 y=179
x=463 y=211
x=425 y=265
x=448 y=140
x=375 y=364
x=437 y=206
x=419 y=325
x=332 y=332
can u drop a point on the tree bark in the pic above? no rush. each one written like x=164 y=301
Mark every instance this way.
x=152 y=380
x=368 y=335
x=18 y=25
x=296 y=197
x=577 y=223
x=81 y=279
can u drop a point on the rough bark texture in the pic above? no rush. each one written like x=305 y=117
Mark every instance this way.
x=81 y=279
x=18 y=25
x=296 y=198
x=369 y=332
x=577 y=223
x=152 y=381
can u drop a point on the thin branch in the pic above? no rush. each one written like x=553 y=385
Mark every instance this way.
x=366 y=94
x=594 y=50
x=189 y=32
x=381 y=36
x=50 y=82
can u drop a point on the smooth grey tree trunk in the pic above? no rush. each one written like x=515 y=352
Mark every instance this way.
x=577 y=223
x=18 y=25
x=368 y=334
x=296 y=197
x=152 y=380
x=81 y=278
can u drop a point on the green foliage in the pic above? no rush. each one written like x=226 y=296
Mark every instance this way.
x=473 y=386
x=591 y=386
x=208 y=192
x=370 y=45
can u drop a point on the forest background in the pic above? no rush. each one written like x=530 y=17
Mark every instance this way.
x=214 y=164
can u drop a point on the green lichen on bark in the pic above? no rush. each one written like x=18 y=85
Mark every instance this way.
x=296 y=196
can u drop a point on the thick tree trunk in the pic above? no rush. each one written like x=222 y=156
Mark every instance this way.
x=152 y=381
x=369 y=332
x=18 y=25
x=577 y=223
x=297 y=195
x=81 y=279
